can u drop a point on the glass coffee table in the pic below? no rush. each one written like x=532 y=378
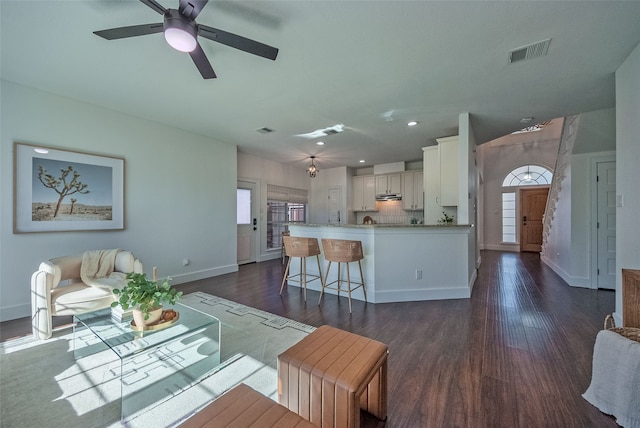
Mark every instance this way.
x=152 y=366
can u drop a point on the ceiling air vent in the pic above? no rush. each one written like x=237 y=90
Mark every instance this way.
x=264 y=130
x=533 y=50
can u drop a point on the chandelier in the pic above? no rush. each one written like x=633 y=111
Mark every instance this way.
x=312 y=170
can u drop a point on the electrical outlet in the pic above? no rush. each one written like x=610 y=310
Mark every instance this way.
x=186 y=262
x=418 y=274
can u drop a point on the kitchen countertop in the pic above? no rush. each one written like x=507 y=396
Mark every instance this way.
x=379 y=225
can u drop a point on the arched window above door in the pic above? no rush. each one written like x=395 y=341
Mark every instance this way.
x=528 y=175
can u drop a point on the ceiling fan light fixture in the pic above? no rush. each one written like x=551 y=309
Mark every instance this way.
x=180 y=32
x=180 y=40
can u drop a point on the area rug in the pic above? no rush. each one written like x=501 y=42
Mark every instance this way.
x=42 y=383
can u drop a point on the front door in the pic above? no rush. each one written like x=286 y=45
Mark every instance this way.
x=532 y=205
x=247 y=222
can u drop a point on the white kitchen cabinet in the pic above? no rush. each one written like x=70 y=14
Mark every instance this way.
x=364 y=193
x=388 y=183
x=412 y=190
x=448 y=154
x=431 y=163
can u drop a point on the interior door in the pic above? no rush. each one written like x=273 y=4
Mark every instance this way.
x=248 y=225
x=335 y=198
x=606 y=227
x=532 y=205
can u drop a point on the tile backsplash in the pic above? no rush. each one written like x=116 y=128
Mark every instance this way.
x=391 y=212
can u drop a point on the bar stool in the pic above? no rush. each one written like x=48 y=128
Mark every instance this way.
x=282 y=253
x=295 y=246
x=343 y=251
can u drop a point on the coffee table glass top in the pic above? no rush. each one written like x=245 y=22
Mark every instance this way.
x=126 y=342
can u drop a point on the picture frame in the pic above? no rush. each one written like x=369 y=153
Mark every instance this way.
x=58 y=190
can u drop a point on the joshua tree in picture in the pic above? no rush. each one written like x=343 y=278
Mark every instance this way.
x=63 y=185
x=73 y=202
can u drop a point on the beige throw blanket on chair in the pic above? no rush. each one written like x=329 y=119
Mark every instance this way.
x=615 y=380
x=97 y=269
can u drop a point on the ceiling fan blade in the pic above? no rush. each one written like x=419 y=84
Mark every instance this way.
x=202 y=63
x=153 y=4
x=132 y=31
x=238 y=42
x=191 y=8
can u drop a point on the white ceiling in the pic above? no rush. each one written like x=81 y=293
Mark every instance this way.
x=370 y=65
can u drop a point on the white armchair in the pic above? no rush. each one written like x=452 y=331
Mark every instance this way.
x=57 y=290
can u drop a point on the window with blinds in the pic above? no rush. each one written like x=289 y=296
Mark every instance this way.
x=284 y=205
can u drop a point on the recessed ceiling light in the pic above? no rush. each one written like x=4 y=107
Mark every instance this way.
x=412 y=123
x=320 y=143
x=362 y=161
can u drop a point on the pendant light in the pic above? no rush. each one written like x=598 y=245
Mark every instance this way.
x=312 y=170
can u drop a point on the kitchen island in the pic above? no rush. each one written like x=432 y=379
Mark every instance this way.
x=402 y=263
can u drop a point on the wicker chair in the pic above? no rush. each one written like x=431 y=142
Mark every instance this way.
x=302 y=248
x=343 y=251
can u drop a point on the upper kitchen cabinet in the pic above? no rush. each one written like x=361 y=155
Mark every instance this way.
x=412 y=190
x=388 y=183
x=364 y=193
x=448 y=157
x=432 y=208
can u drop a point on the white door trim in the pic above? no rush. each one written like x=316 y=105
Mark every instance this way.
x=605 y=157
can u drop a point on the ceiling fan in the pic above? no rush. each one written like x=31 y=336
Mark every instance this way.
x=181 y=31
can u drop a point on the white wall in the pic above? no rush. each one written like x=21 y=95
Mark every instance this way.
x=627 y=171
x=179 y=192
x=557 y=251
x=468 y=191
x=262 y=172
x=318 y=202
x=569 y=249
x=597 y=132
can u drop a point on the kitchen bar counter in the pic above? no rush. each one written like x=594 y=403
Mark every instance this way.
x=403 y=262
x=384 y=225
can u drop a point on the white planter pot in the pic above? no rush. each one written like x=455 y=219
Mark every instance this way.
x=154 y=316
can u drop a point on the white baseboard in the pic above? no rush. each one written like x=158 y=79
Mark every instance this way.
x=503 y=247
x=15 y=312
x=398 y=295
x=203 y=274
x=573 y=281
x=420 y=295
x=472 y=281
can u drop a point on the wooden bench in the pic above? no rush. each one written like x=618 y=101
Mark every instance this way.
x=331 y=374
x=244 y=407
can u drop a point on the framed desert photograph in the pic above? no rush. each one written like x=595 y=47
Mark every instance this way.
x=59 y=190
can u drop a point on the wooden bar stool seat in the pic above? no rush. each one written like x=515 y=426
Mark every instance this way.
x=343 y=251
x=282 y=252
x=295 y=246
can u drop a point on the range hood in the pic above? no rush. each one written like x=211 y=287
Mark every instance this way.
x=389 y=197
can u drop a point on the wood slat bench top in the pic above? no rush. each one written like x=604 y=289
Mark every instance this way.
x=244 y=407
x=331 y=374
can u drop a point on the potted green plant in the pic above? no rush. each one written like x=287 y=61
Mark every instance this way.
x=145 y=297
x=446 y=219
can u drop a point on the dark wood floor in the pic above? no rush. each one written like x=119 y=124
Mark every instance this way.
x=517 y=354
